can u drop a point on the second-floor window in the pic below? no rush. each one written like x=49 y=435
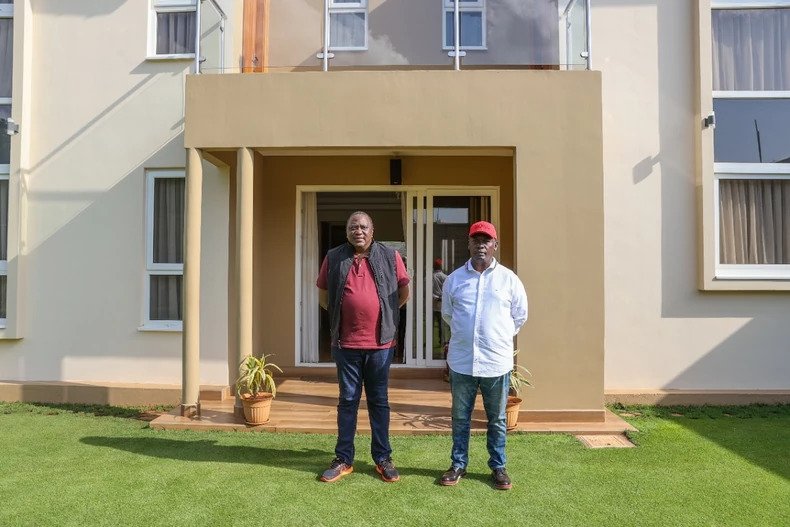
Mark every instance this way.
x=348 y=25
x=173 y=27
x=165 y=248
x=472 y=20
x=751 y=101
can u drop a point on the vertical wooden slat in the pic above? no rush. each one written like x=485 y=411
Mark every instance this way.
x=255 y=40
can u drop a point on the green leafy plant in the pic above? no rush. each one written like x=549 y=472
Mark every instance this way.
x=256 y=376
x=519 y=377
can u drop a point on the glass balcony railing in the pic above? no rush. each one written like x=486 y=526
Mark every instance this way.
x=211 y=54
x=417 y=34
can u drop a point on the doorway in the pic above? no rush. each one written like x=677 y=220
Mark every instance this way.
x=427 y=226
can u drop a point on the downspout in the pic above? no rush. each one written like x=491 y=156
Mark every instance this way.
x=457 y=35
x=197 y=37
x=589 y=33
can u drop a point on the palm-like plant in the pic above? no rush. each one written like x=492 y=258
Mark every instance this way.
x=255 y=376
x=519 y=377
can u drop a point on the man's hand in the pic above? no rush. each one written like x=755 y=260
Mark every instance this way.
x=403 y=295
x=323 y=298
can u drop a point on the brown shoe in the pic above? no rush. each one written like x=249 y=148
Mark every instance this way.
x=501 y=479
x=452 y=476
x=336 y=470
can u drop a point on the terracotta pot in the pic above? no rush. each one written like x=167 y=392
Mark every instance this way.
x=511 y=411
x=257 y=408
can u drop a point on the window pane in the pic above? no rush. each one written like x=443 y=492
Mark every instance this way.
x=175 y=33
x=3 y=295
x=751 y=49
x=754 y=220
x=347 y=30
x=166 y=297
x=752 y=130
x=3 y=219
x=168 y=220
x=6 y=55
x=5 y=139
x=471 y=28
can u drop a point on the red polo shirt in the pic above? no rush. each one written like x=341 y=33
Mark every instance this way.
x=360 y=315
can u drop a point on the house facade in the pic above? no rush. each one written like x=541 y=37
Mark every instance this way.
x=174 y=171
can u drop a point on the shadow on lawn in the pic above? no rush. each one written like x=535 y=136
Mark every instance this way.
x=311 y=461
x=758 y=433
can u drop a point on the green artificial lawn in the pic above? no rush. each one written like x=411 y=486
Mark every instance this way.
x=69 y=465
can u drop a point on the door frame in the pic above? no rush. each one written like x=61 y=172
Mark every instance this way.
x=414 y=261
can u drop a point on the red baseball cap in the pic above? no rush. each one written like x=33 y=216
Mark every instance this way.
x=482 y=227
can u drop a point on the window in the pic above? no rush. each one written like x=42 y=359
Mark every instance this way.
x=173 y=28
x=6 y=77
x=164 y=249
x=751 y=153
x=348 y=25
x=472 y=19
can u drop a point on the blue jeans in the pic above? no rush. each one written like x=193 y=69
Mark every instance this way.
x=494 y=390
x=356 y=368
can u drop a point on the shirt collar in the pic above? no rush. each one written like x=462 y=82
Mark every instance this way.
x=472 y=269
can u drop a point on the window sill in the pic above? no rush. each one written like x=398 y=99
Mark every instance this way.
x=182 y=56
x=766 y=285
x=162 y=326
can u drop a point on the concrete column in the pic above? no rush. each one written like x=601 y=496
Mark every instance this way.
x=190 y=361
x=244 y=222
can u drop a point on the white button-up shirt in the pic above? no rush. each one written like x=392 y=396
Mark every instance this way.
x=484 y=311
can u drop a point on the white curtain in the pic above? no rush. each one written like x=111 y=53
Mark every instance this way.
x=754 y=221
x=6 y=55
x=310 y=267
x=175 y=33
x=347 y=30
x=168 y=247
x=751 y=49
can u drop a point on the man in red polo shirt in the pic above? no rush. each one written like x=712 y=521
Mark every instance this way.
x=362 y=284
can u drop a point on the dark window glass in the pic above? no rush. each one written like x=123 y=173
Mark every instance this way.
x=752 y=131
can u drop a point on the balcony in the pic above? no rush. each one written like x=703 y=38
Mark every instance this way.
x=323 y=35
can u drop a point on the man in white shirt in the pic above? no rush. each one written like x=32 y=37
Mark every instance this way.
x=485 y=305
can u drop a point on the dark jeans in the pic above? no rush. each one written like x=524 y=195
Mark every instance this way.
x=494 y=390
x=356 y=368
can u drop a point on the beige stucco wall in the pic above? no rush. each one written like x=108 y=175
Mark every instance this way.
x=661 y=332
x=95 y=114
x=550 y=119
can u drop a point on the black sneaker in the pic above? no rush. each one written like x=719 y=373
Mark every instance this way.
x=501 y=479
x=336 y=470
x=387 y=470
x=452 y=476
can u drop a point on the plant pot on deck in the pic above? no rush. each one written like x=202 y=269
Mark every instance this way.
x=257 y=407
x=511 y=411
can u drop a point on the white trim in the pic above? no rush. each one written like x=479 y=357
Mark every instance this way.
x=336 y=4
x=751 y=94
x=748 y=4
x=175 y=56
x=152 y=268
x=753 y=272
x=162 y=325
x=751 y=170
x=478 y=6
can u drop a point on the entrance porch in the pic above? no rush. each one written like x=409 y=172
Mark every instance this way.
x=418 y=407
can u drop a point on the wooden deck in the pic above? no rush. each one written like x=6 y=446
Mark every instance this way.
x=418 y=406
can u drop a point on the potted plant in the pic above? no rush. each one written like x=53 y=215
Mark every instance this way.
x=256 y=387
x=518 y=380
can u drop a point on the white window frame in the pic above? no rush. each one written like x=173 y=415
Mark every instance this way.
x=335 y=8
x=157 y=269
x=464 y=6
x=166 y=6
x=744 y=171
x=6 y=11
